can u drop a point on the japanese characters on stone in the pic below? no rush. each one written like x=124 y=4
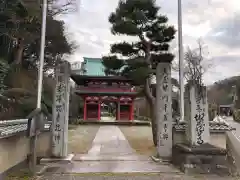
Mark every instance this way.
x=165 y=99
x=59 y=108
x=199 y=116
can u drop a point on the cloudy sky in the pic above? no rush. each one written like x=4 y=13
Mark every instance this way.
x=216 y=22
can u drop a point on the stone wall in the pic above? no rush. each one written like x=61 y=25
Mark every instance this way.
x=15 y=149
x=233 y=149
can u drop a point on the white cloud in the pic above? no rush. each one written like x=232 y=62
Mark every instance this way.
x=217 y=22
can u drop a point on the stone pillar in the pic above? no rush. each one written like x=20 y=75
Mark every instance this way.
x=85 y=109
x=198 y=122
x=164 y=109
x=99 y=110
x=118 y=110
x=131 y=115
x=61 y=110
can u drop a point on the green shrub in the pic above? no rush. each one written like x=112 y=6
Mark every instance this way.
x=4 y=68
x=236 y=115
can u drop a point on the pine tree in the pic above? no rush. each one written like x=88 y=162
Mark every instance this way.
x=137 y=59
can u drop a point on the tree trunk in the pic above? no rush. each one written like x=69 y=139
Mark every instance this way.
x=19 y=51
x=148 y=93
x=154 y=124
x=151 y=101
x=19 y=54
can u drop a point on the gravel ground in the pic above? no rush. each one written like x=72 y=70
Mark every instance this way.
x=81 y=138
x=140 y=139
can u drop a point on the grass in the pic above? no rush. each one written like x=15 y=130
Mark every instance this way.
x=140 y=139
x=80 y=138
x=20 y=174
x=20 y=177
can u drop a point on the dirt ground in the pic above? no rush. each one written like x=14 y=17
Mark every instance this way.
x=140 y=139
x=80 y=138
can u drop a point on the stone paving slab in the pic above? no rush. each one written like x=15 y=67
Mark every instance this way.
x=109 y=157
x=118 y=167
x=110 y=141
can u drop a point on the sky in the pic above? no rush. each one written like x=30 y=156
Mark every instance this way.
x=215 y=22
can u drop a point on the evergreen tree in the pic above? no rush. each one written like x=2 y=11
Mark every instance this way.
x=21 y=23
x=137 y=59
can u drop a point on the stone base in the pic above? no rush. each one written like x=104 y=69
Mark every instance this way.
x=40 y=169
x=157 y=159
x=63 y=160
x=204 y=159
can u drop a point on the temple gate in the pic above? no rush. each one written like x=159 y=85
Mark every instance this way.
x=99 y=90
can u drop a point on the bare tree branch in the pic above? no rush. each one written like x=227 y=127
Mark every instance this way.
x=196 y=63
x=57 y=9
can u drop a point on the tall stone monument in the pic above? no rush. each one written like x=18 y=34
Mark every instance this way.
x=198 y=131
x=164 y=110
x=198 y=155
x=61 y=110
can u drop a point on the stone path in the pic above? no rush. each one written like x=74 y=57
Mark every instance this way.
x=112 y=158
x=111 y=152
x=110 y=140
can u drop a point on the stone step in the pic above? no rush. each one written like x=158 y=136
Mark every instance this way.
x=112 y=157
x=119 y=167
x=207 y=165
x=65 y=160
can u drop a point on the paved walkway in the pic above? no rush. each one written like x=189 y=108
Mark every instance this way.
x=109 y=144
x=112 y=153
x=112 y=157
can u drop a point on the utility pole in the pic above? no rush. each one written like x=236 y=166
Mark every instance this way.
x=42 y=48
x=181 y=65
x=234 y=97
x=37 y=118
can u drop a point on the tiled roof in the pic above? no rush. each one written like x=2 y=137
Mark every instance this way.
x=94 y=67
x=9 y=130
x=213 y=126
x=12 y=122
x=12 y=129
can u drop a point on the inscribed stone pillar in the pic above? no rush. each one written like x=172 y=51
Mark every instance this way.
x=61 y=110
x=198 y=122
x=164 y=109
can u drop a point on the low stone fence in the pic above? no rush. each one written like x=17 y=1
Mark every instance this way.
x=218 y=132
x=15 y=145
x=233 y=149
